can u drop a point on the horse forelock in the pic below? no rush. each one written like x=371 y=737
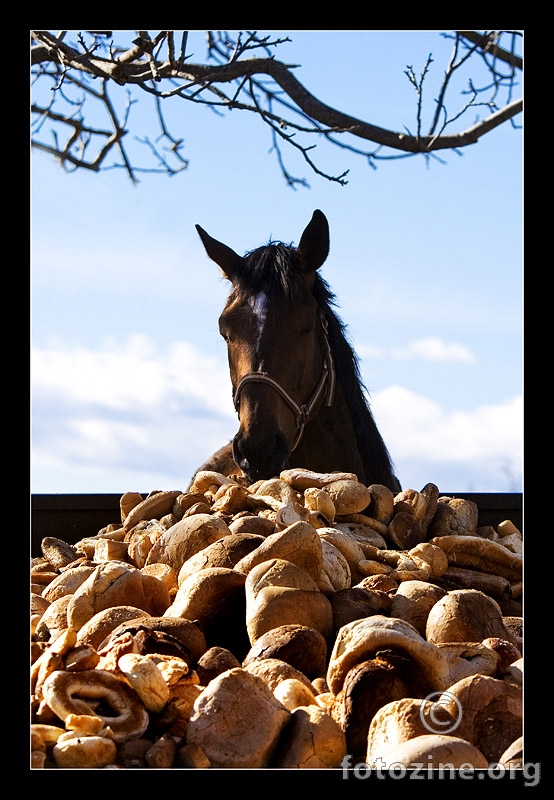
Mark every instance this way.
x=273 y=268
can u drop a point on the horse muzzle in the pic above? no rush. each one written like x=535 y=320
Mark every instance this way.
x=261 y=458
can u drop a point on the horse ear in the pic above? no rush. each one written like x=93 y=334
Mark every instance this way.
x=314 y=243
x=224 y=256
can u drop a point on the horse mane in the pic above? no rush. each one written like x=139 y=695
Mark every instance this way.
x=347 y=367
x=275 y=269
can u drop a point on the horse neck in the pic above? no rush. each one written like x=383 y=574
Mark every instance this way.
x=329 y=442
x=330 y=439
x=345 y=436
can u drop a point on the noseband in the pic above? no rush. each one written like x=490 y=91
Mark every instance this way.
x=304 y=412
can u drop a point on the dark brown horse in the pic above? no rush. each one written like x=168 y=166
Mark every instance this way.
x=296 y=381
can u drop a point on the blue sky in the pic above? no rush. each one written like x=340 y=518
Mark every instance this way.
x=130 y=386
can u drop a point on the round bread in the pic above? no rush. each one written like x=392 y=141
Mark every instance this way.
x=67 y=582
x=213 y=662
x=189 y=636
x=225 y=552
x=465 y=615
x=185 y=538
x=430 y=751
x=104 y=622
x=274 y=670
x=215 y=597
x=400 y=720
x=302 y=647
x=242 y=704
x=114 y=583
x=54 y=619
x=491 y=713
x=275 y=606
x=298 y=544
x=84 y=752
x=414 y=600
x=356 y=603
x=312 y=740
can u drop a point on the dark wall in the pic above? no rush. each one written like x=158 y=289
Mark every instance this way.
x=72 y=517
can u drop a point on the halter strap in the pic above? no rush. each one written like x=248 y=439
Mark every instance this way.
x=303 y=413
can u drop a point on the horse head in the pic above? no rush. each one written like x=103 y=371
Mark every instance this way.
x=279 y=357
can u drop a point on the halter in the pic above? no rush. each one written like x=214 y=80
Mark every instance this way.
x=303 y=413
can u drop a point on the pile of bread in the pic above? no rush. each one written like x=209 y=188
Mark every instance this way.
x=307 y=621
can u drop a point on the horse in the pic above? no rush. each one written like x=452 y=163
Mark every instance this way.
x=295 y=377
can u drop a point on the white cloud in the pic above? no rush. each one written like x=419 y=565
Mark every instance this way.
x=482 y=444
x=133 y=412
x=126 y=407
x=430 y=348
x=367 y=351
x=133 y=374
x=418 y=426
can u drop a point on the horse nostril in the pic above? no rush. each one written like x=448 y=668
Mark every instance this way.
x=261 y=458
x=280 y=446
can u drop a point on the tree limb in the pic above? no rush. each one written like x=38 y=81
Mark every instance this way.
x=487 y=43
x=142 y=66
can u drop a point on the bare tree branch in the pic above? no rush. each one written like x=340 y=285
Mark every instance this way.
x=488 y=44
x=238 y=80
